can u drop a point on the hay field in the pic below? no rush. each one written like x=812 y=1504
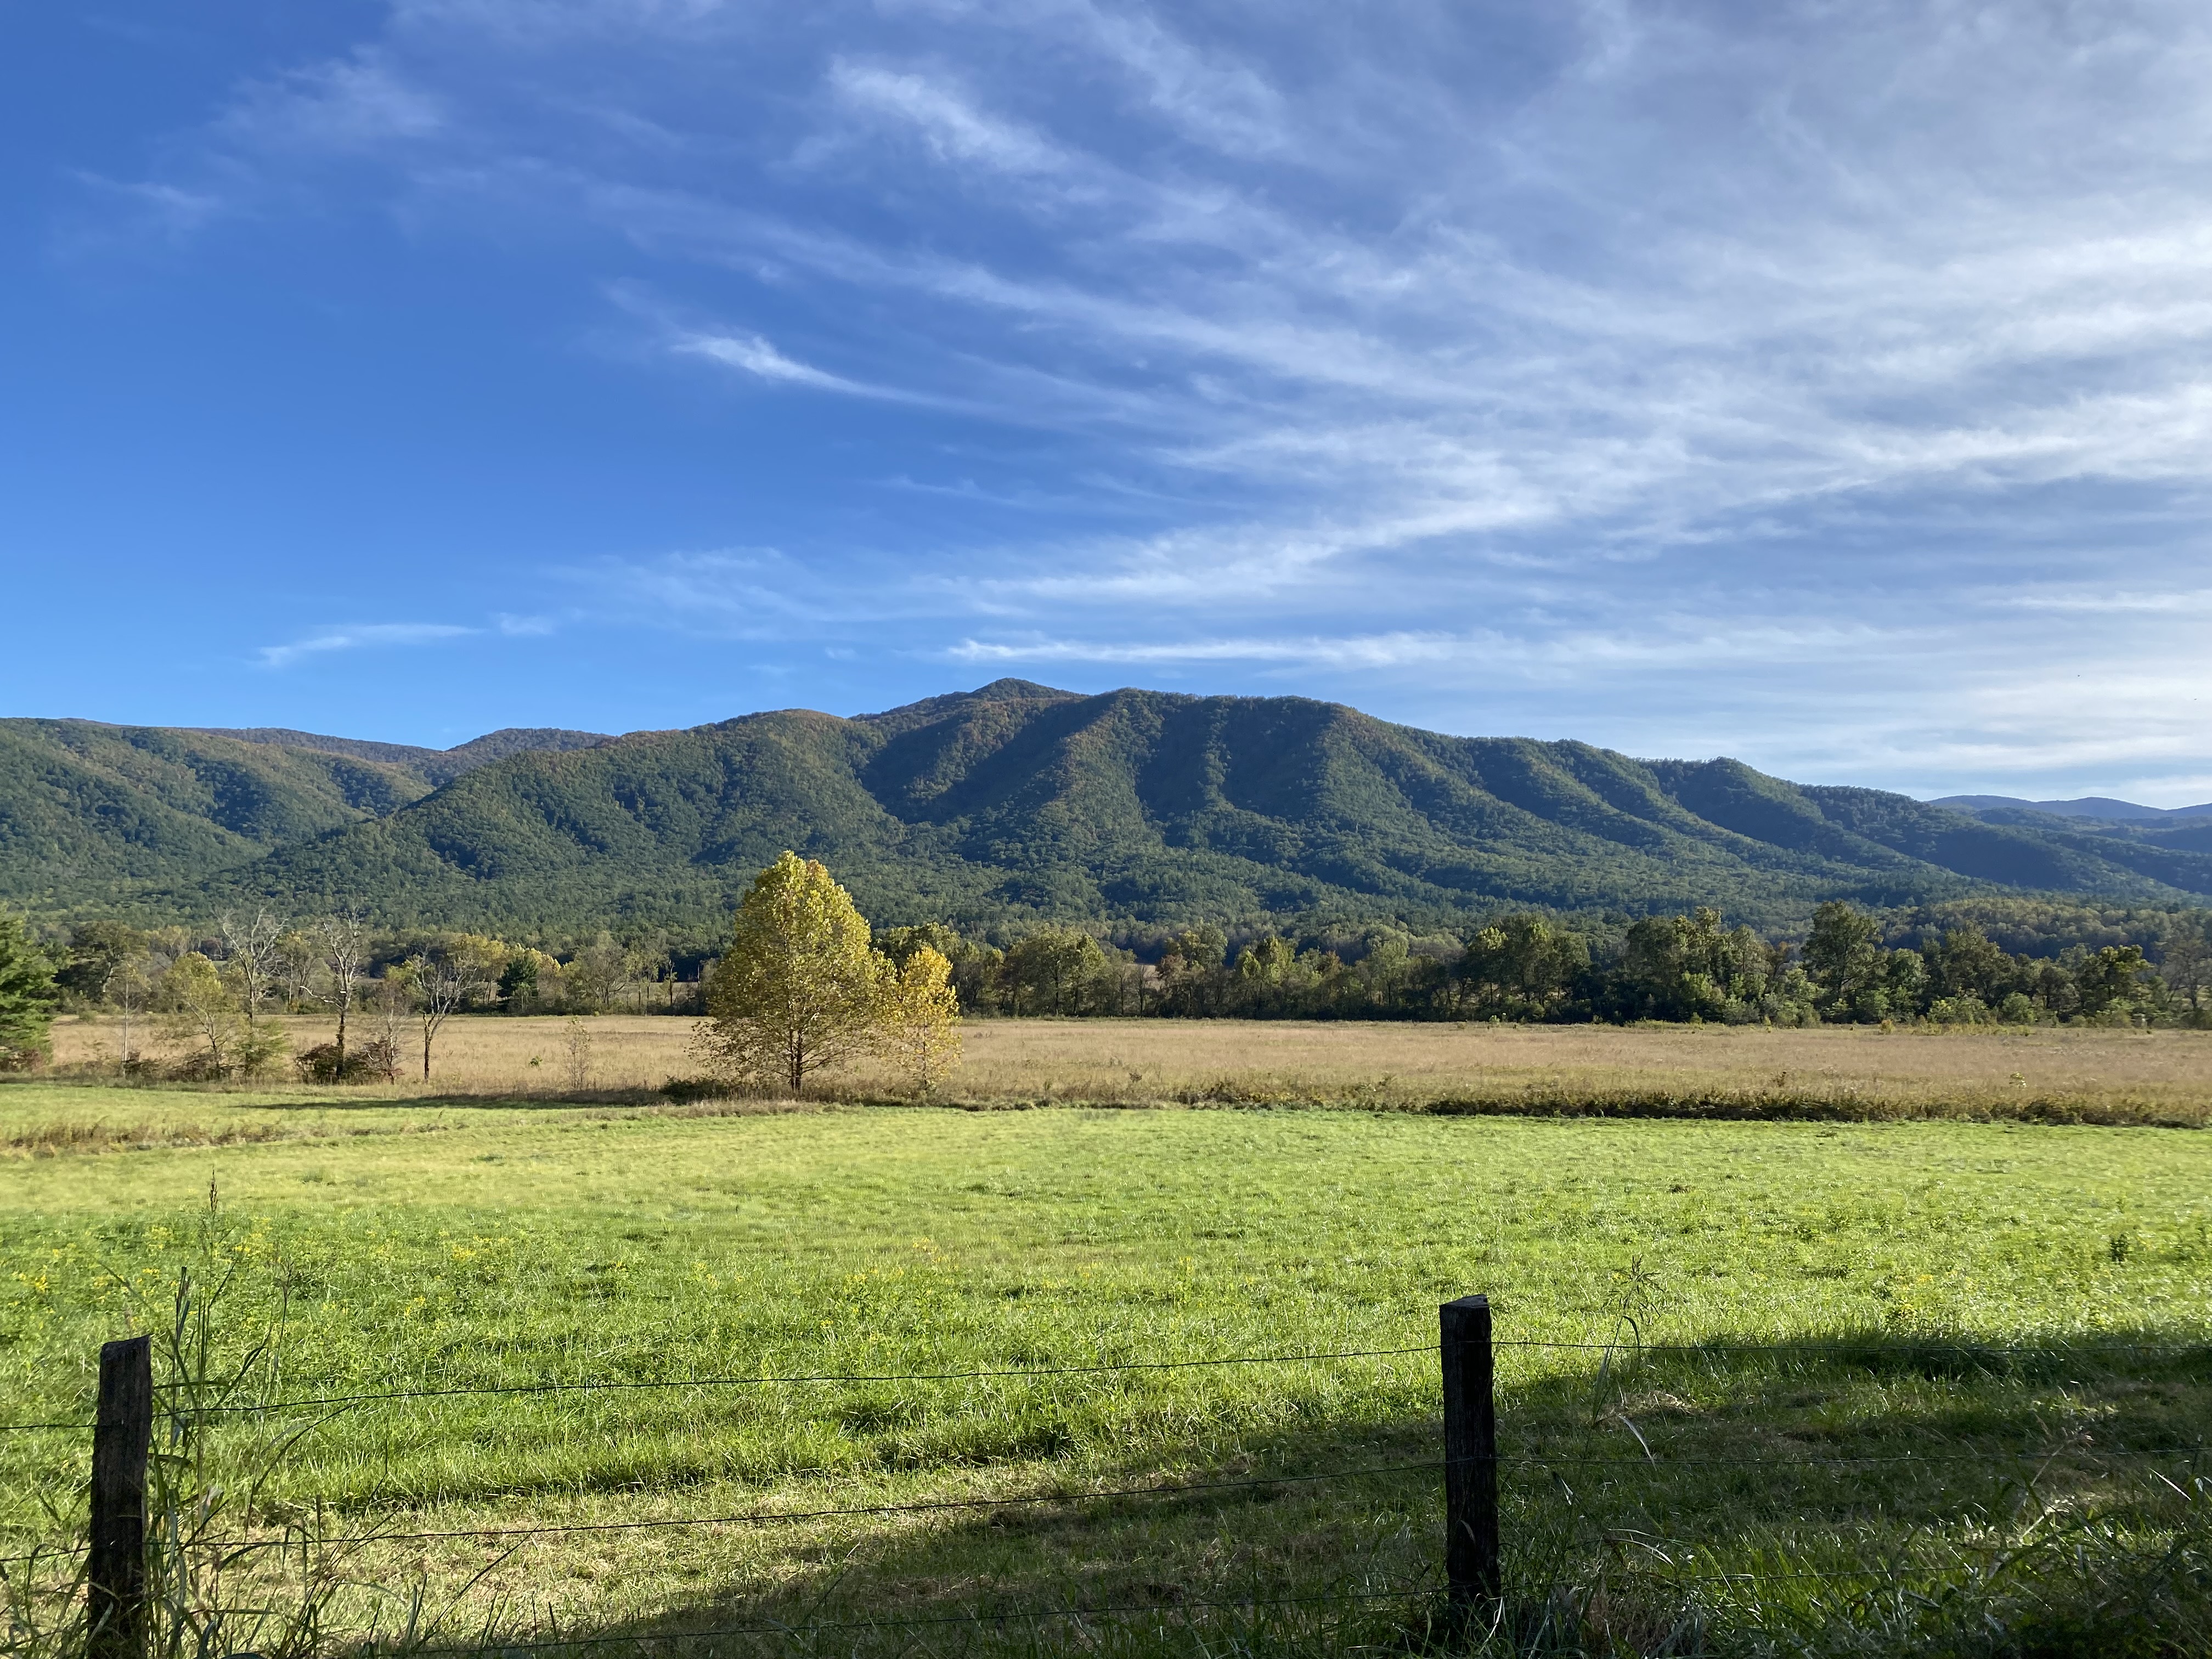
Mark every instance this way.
x=1847 y=1071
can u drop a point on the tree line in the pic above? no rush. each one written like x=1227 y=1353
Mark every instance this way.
x=213 y=994
x=1847 y=967
x=800 y=986
x=212 y=989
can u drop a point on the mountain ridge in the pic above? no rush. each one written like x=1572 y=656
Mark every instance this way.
x=1013 y=804
x=2101 y=807
x=437 y=766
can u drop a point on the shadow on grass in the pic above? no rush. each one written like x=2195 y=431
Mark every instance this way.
x=1861 y=1494
x=646 y=1100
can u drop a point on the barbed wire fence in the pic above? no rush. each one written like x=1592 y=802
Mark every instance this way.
x=119 y=1546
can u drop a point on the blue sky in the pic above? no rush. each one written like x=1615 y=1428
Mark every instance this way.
x=1825 y=386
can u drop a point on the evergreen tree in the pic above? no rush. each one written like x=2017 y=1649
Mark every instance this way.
x=1964 y=964
x=27 y=995
x=901 y=943
x=96 y=950
x=978 y=979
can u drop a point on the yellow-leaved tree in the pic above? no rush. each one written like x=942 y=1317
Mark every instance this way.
x=920 y=1018
x=801 y=987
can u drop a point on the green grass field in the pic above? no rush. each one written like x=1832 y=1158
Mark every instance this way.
x=421 y=1245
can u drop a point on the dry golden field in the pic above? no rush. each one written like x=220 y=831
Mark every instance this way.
x=2095 y=1075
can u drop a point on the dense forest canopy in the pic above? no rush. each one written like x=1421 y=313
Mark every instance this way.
x=1133 y=815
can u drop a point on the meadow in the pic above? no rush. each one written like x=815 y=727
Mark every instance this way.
x=1931 y=1374
x=2068 y=1073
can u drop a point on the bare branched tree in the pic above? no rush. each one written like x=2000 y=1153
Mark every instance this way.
x=342 y=943
x=576 y=1041
x=128 y=989
x=300 y=962
x=442 y=982
x=392 y=1000
x=253 y=953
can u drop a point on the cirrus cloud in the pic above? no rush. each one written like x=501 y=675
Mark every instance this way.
x=1822 y=384
x=358 y=636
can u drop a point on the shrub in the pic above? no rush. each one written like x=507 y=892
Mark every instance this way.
x=687 y=1091
x=324 y=1064
x=1967 y=1010
x=380 y=1056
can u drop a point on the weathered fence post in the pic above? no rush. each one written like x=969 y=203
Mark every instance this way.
x=1471 y=1574
x=123 y=1432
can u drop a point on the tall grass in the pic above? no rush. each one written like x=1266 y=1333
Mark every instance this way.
x=1830 y=1073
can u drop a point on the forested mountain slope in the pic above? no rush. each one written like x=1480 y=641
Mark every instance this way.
x=90 y=812
x=1010 y=802
x=1018 y=801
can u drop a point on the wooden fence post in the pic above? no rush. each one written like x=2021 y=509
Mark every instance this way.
x=1471 y=1574
x=122 y=1433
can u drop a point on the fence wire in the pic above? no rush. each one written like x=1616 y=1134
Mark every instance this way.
x=2072 y=1347
x=2078 y=1348
x=1653 y=1463
x=1649 y=1462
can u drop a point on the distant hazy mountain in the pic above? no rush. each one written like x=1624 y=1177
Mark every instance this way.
x=2102 y=807
x=1014 y=801
x=434 y=766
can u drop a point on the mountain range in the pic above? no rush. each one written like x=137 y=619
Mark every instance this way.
x=1012 y=803
x=2100 y=807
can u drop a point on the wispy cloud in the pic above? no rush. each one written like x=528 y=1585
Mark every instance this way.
x=354 y=103
x=168 y=210
x=750 y=354
x=1212 y=96
x=754 y=355
x=951 y=127
x=360 y=636
x=2169 y=603
x=1387 y=650
x=1679 y=640
x=747 y=593
x=1825 y=383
